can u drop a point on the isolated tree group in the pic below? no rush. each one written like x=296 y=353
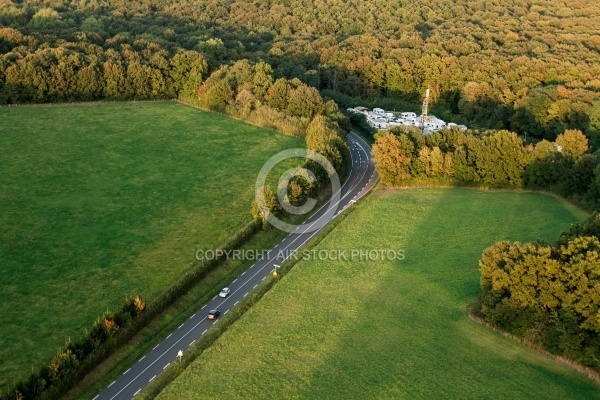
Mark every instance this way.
x=548 y=294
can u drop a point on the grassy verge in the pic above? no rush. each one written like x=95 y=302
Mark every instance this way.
x=391 y=328
x=187 y=304
x=169 y=320
x=196 y=350
x=98 y=202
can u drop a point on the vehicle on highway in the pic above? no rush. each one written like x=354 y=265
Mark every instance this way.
x=213 y=314
x=225 y=292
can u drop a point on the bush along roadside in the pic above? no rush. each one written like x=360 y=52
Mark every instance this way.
x=111 y=331
x=153 y=389
x=76 y=359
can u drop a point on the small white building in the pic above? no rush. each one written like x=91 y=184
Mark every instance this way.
x=407 y=115
x=379 y=111
x=453 y=125
x=413 y=121
x=433 y=124
x=378 y=123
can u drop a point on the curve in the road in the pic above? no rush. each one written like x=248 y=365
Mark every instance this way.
x=361 y=179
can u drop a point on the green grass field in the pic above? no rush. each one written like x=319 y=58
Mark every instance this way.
x=98 y=202
x=392 y=329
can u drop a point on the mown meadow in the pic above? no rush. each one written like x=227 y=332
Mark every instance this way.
x=102 y=201
x=396 y=328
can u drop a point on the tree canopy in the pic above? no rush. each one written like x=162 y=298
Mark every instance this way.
x=529 y=67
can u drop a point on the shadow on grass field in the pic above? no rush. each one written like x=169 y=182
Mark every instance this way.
x=99 y=202
x=392 y=328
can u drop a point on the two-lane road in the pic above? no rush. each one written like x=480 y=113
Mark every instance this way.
x=361 y=179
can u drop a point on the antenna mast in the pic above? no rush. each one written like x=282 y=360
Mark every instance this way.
x=424 y=110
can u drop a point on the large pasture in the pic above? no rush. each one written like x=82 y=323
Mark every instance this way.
x=392 y=328
x=98 y=202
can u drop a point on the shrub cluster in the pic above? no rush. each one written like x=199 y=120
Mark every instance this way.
x=325 y=138
x=548 y=294
x=250 y=92
x=76 y=358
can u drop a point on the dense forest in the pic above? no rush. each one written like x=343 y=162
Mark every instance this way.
x=527 y=66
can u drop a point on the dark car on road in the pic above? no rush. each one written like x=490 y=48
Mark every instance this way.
x=213 y=314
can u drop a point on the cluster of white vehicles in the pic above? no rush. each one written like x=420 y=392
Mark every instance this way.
x=383 y=120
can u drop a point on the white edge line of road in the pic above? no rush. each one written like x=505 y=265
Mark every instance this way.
x=312 y=234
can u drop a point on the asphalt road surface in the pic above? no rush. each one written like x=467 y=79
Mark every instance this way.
x=361 y=179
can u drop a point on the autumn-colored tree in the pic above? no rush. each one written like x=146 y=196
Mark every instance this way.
x=573 y=143
x=298 y=190
x=88 y=82
x=305 y=101
x=215 y=93
x=319 y=132
x=240 y=75
x=278 y=93
x=436 y=162
x=262 y=79
x=501 y=159
x=245 y=101
x=187 y=69
x=114 y=80
x=544 y=149
x=392 y=164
